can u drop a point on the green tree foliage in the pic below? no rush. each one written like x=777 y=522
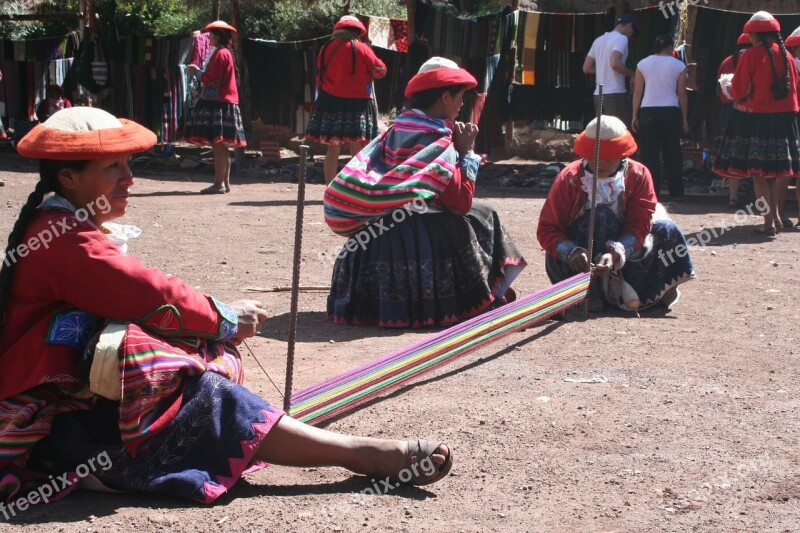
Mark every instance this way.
x=21 y=30
x=149 y=17
x=283 y=20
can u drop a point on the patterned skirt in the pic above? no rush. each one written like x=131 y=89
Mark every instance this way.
x=209 y=444
x=336 y=120
x=759 y=144
x=651 y=272
x=416 y=270
x=213 y=122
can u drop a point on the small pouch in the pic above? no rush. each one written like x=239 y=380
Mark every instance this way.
x=209 y=93
x=104 y=376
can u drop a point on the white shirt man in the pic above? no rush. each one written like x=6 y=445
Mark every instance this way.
x=606 y=59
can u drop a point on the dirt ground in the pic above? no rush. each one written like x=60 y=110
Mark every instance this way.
x=685 y=421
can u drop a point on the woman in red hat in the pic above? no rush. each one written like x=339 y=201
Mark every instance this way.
x=728 y=66
x=650 y=255
x=418 y=253
x=345 y=112
x=118 y=371
x=762 y=139
x=216 y=120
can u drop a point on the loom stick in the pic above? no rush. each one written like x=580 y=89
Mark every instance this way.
x=298 y=244
x=594 y=184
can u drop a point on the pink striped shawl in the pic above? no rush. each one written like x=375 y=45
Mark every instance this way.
x=414 y=159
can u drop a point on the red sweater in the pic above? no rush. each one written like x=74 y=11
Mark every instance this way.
x=221 y=74
x=345 y=74
x=82 y=269
x=752 y=82
x=566 y=199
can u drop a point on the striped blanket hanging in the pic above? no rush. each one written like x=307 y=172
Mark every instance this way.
x=345 y=392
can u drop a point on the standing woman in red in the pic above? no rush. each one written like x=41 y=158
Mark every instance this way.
x=761 y=140
x=344 y=112
x=793 y=45
x=216 y=120
x=728 y=66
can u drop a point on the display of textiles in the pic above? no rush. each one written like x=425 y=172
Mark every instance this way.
x=282 y=79
x=382 y=32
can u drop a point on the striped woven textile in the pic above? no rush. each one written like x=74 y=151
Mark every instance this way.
x=345 y=392
x=414 y=158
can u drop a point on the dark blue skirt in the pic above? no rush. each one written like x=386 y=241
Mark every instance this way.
x=206 y=448
x=759 y=144
x=213 y=122
x=431 y=269
x=336 y=120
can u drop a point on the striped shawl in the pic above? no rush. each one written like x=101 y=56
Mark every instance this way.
x=414 y=159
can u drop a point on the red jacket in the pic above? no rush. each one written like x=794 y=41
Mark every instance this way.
x=221 y=74
x=566 y=199
x=752 y=82
x=346 y=72
x=82 y=269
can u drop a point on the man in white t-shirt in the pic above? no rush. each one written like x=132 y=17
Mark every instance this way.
x=606 y=59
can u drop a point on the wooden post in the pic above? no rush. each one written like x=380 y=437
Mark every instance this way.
x=238 y=153
x=215 y=9
x=411 y=11
x=509 y=136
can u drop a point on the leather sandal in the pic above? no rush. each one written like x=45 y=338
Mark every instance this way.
x=214 y=189
x=770 y=231
x=420 y=469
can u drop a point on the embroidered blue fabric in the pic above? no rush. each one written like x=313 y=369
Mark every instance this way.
x=229 y=323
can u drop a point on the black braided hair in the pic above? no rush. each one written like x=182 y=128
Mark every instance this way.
x=780 y=90
x=48 y=182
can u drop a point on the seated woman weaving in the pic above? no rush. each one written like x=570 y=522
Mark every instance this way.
x=108 y=363
x=419 y=253
x=646 y=251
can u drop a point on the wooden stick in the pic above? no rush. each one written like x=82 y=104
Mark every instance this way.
x=280 y=288
x=594 y=184
x=298 y=244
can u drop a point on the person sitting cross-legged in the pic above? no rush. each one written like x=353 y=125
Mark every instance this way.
x=632 y=245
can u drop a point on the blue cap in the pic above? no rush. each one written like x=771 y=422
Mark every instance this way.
x=627 y=18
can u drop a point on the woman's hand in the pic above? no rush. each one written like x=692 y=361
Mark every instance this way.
x=685 y=127
x=251 y=314
x=378 y=72
x=192 y=69
x=635 y=125
x=579 y=260
x=464 y=136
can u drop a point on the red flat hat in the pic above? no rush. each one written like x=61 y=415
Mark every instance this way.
x=744 y=38
x=220 y=25
x=439 y=72
x=78 y=133
x=793 y=40
x=761 y=22
x=349 y=22
x=616 y=142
